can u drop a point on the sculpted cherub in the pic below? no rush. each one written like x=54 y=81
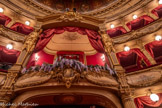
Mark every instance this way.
x=108 y=43
x=30 y=41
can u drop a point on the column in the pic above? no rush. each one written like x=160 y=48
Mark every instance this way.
x=146 y=10
x=128 y=101
x=110 y=50
x=148 y=56
x=124 y=24
x=11 y=23
x=27 y=48
x=142 y=48
x=152 y=16
x=124 y=89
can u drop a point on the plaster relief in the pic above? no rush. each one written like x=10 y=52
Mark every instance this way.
x=102 y=79
x=32 y=78
x=144 y=79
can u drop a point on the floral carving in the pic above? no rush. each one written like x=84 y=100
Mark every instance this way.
x=30 y=41
x=71 y=16
x=109 y=47
x=68 y=72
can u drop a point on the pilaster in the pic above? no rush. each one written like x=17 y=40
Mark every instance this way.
x=142 y=48
x=124 y=89
x=7 y=89
x=124 y=24
x=128 y=101
x=146 y=10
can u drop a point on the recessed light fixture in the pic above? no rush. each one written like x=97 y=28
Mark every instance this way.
x=126 y=48
x=158 y=38
x=27 y=23
x=9 y=46
x=1 y=10
x=160 y=1
x=112 y=26
x=103 y=57
x=135 y=16
x=36 y=57
x=154 y=97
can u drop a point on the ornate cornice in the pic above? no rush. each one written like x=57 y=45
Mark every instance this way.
x=70 y=19
x=12 y=35
x=111 y=6
x=128 y=7
x=38 y=7
x=151 y=28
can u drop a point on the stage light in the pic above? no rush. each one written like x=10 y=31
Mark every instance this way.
x=9 y=46
x=36 y=57
x=154 y=97
x=160 y=1
x=27 y=23
x=158 y=38
x=126 y=48
x=1 y=10
x=135 y=16
x=112 y=26
x=103 y=57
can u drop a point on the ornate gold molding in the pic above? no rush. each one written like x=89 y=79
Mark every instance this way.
x=71 y=16
x=15 y=36
x=113 y=5
x=145 y=77
x=148 y=29
x=32 y=79
x=68 y=76
x=30 y=41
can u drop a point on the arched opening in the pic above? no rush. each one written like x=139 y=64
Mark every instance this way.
x=60 y=97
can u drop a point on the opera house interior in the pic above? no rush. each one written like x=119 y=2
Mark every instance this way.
x=80 y=53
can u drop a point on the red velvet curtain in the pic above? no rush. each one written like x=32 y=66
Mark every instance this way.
x=81 y=54
x=21 y=28
x=116 y=31
x=8 y=56
x=43 y=58
x=145 y=100
x=158 y=11
x=139 y=54
x=139 y=22
x=4 y=20
x=93 y=37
